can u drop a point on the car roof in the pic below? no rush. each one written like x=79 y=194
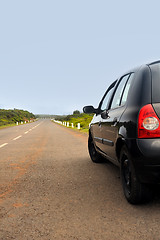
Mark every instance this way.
x=152 y=63
x=135 y=69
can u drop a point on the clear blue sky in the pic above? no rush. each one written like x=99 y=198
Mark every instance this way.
x=57 y=56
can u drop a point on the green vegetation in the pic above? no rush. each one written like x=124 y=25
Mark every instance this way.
x=76 y=112
x=82 y=118
x=10 y=117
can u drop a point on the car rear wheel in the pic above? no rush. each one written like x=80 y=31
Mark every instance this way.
x=134 y=191
x=95 y=156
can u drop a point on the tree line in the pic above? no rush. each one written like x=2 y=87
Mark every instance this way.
x=13 y=116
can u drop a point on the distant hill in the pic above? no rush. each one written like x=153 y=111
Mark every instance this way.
x=45 y=116
x=13 y=116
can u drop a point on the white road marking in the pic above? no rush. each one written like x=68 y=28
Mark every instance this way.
x=31 y=129
x=17 y=138
x=4 y=144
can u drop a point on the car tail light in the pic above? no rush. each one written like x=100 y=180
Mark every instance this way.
x=148 y=123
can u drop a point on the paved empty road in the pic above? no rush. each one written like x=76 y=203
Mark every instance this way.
x=50 y=189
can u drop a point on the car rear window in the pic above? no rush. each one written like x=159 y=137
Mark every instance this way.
x=155 y=71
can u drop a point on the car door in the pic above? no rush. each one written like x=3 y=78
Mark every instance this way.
x=96 y=127
x=109 y=125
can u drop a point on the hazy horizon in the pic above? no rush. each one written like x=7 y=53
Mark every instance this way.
x=58 y=56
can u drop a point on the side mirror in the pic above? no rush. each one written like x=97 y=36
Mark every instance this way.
x=89 y=109
x=104 y=114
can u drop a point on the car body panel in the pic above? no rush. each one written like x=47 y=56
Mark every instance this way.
x=110 y=129
x=97 y=131
x=120 y=127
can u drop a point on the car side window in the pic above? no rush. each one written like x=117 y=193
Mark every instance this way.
x=119 y=91
x=107 y=97
x=126 y=90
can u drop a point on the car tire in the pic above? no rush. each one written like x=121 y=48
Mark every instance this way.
x=134 y=191
x=95 y=156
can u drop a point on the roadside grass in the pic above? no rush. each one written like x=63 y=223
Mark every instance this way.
x=13 y=124
x=11 y=117
x=7 y=125
x=83 y=119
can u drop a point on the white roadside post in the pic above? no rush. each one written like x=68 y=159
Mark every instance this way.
x=67 y=124
x=72 y=125
x=17 y=123
x=78 y=126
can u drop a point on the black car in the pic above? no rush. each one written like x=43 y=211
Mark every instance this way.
x=126 y=130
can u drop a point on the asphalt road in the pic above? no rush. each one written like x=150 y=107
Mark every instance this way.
x=50 y=189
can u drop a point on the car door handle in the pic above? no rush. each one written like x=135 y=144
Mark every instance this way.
x=114 y=123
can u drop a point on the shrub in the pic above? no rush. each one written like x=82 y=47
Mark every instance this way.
x=13 y=116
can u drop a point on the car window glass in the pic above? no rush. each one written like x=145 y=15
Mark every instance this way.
x=106 y=99
x=118 y=93
x=155 y=71
x=126 y=90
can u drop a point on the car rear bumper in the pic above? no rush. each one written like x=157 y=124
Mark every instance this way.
x=146 y=159
x=150 y=150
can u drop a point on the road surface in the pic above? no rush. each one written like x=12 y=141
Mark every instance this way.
x=50 y=189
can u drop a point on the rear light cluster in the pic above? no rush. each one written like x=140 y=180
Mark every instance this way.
x=148 y=123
